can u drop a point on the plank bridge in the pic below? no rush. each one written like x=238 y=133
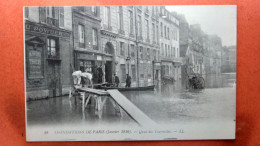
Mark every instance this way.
x=118 y=100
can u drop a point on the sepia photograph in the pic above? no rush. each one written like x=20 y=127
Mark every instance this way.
x=130 y=73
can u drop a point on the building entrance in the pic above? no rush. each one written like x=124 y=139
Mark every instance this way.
x=108 y=71
x=54 y=83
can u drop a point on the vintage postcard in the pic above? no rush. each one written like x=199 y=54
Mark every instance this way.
x=119 y=73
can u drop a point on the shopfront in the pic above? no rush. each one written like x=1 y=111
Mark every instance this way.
x=92 y=62
x=47 y=49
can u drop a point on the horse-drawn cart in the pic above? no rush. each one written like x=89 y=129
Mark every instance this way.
x=195 y=80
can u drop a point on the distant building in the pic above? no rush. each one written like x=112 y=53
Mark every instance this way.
x=214 y=59
x=169 y=47
x=229 y=59
x=192 y=50
x=48 y=51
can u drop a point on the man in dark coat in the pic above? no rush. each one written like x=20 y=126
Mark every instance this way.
x=117 y=81
x=100 y=74
x=128 y=81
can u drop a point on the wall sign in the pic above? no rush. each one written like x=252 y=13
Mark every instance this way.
x=45 y=30
x=34 y=62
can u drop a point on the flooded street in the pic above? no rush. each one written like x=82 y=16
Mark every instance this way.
x=177 y=107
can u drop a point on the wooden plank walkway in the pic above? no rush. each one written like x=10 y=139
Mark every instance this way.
x=134 y=112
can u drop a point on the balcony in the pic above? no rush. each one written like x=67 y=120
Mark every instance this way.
x=53 y=22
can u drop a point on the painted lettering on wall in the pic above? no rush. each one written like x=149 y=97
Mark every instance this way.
x=45 y=30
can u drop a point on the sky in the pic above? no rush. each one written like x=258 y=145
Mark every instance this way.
x=219 y=20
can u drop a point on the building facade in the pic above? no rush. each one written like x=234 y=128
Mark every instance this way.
x=130 y=33
x=169 y=47
x=47 y=51
x=86 y=40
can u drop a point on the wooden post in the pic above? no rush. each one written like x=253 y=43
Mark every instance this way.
x=82 y=95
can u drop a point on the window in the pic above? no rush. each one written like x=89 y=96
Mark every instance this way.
x=61 y=16
x=161 y=29
x=165 y=50
x=52 y=48
x=174 y=52
x=122 y=49
x=141 y=52
x=123 y=72
x=162 y=53
x=157 y=34
x=43 y=14
x=148 y=53
x=81 y=9
x=131 y=23
x=177 y=53
x=139 y=25
x=169 y=50
x=147 y=29
x=153 y=32
x=81 y=32
x=107 y=15
x=26 y=12
x=168 y=32
x=133 y=72
x=95 y=39
x=51 y=15
x=120 y=17
x=94 y=10
x=154 y=54
x=165 y=33
x=132 y=51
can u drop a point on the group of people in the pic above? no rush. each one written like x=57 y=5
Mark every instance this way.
x=85 y=77
x=116 y=81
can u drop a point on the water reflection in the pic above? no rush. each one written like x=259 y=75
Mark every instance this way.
x=168 y=106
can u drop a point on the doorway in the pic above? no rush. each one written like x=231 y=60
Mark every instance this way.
x=108 y=71
x=54 y=78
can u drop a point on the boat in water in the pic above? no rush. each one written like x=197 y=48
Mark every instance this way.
x=144 y=88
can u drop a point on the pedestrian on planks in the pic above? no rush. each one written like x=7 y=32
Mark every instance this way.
x=128 y=81
x=76 y=75
x=86 y=78
x=117 y=81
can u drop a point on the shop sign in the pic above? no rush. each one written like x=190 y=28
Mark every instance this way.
x=45 y=30
x=99 y=57
x=35 y=63
x=86 y=56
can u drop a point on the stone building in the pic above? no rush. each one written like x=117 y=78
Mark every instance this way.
x=213 y=75
x=48 y=51
x=86 y=40
x=192 y=50
x=169 y=47
x=129 y=36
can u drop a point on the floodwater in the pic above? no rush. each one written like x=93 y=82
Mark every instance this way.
x=166 y=107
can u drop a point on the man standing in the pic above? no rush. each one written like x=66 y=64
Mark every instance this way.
x=100 y=74
x=116 y=80
x=128 y=81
